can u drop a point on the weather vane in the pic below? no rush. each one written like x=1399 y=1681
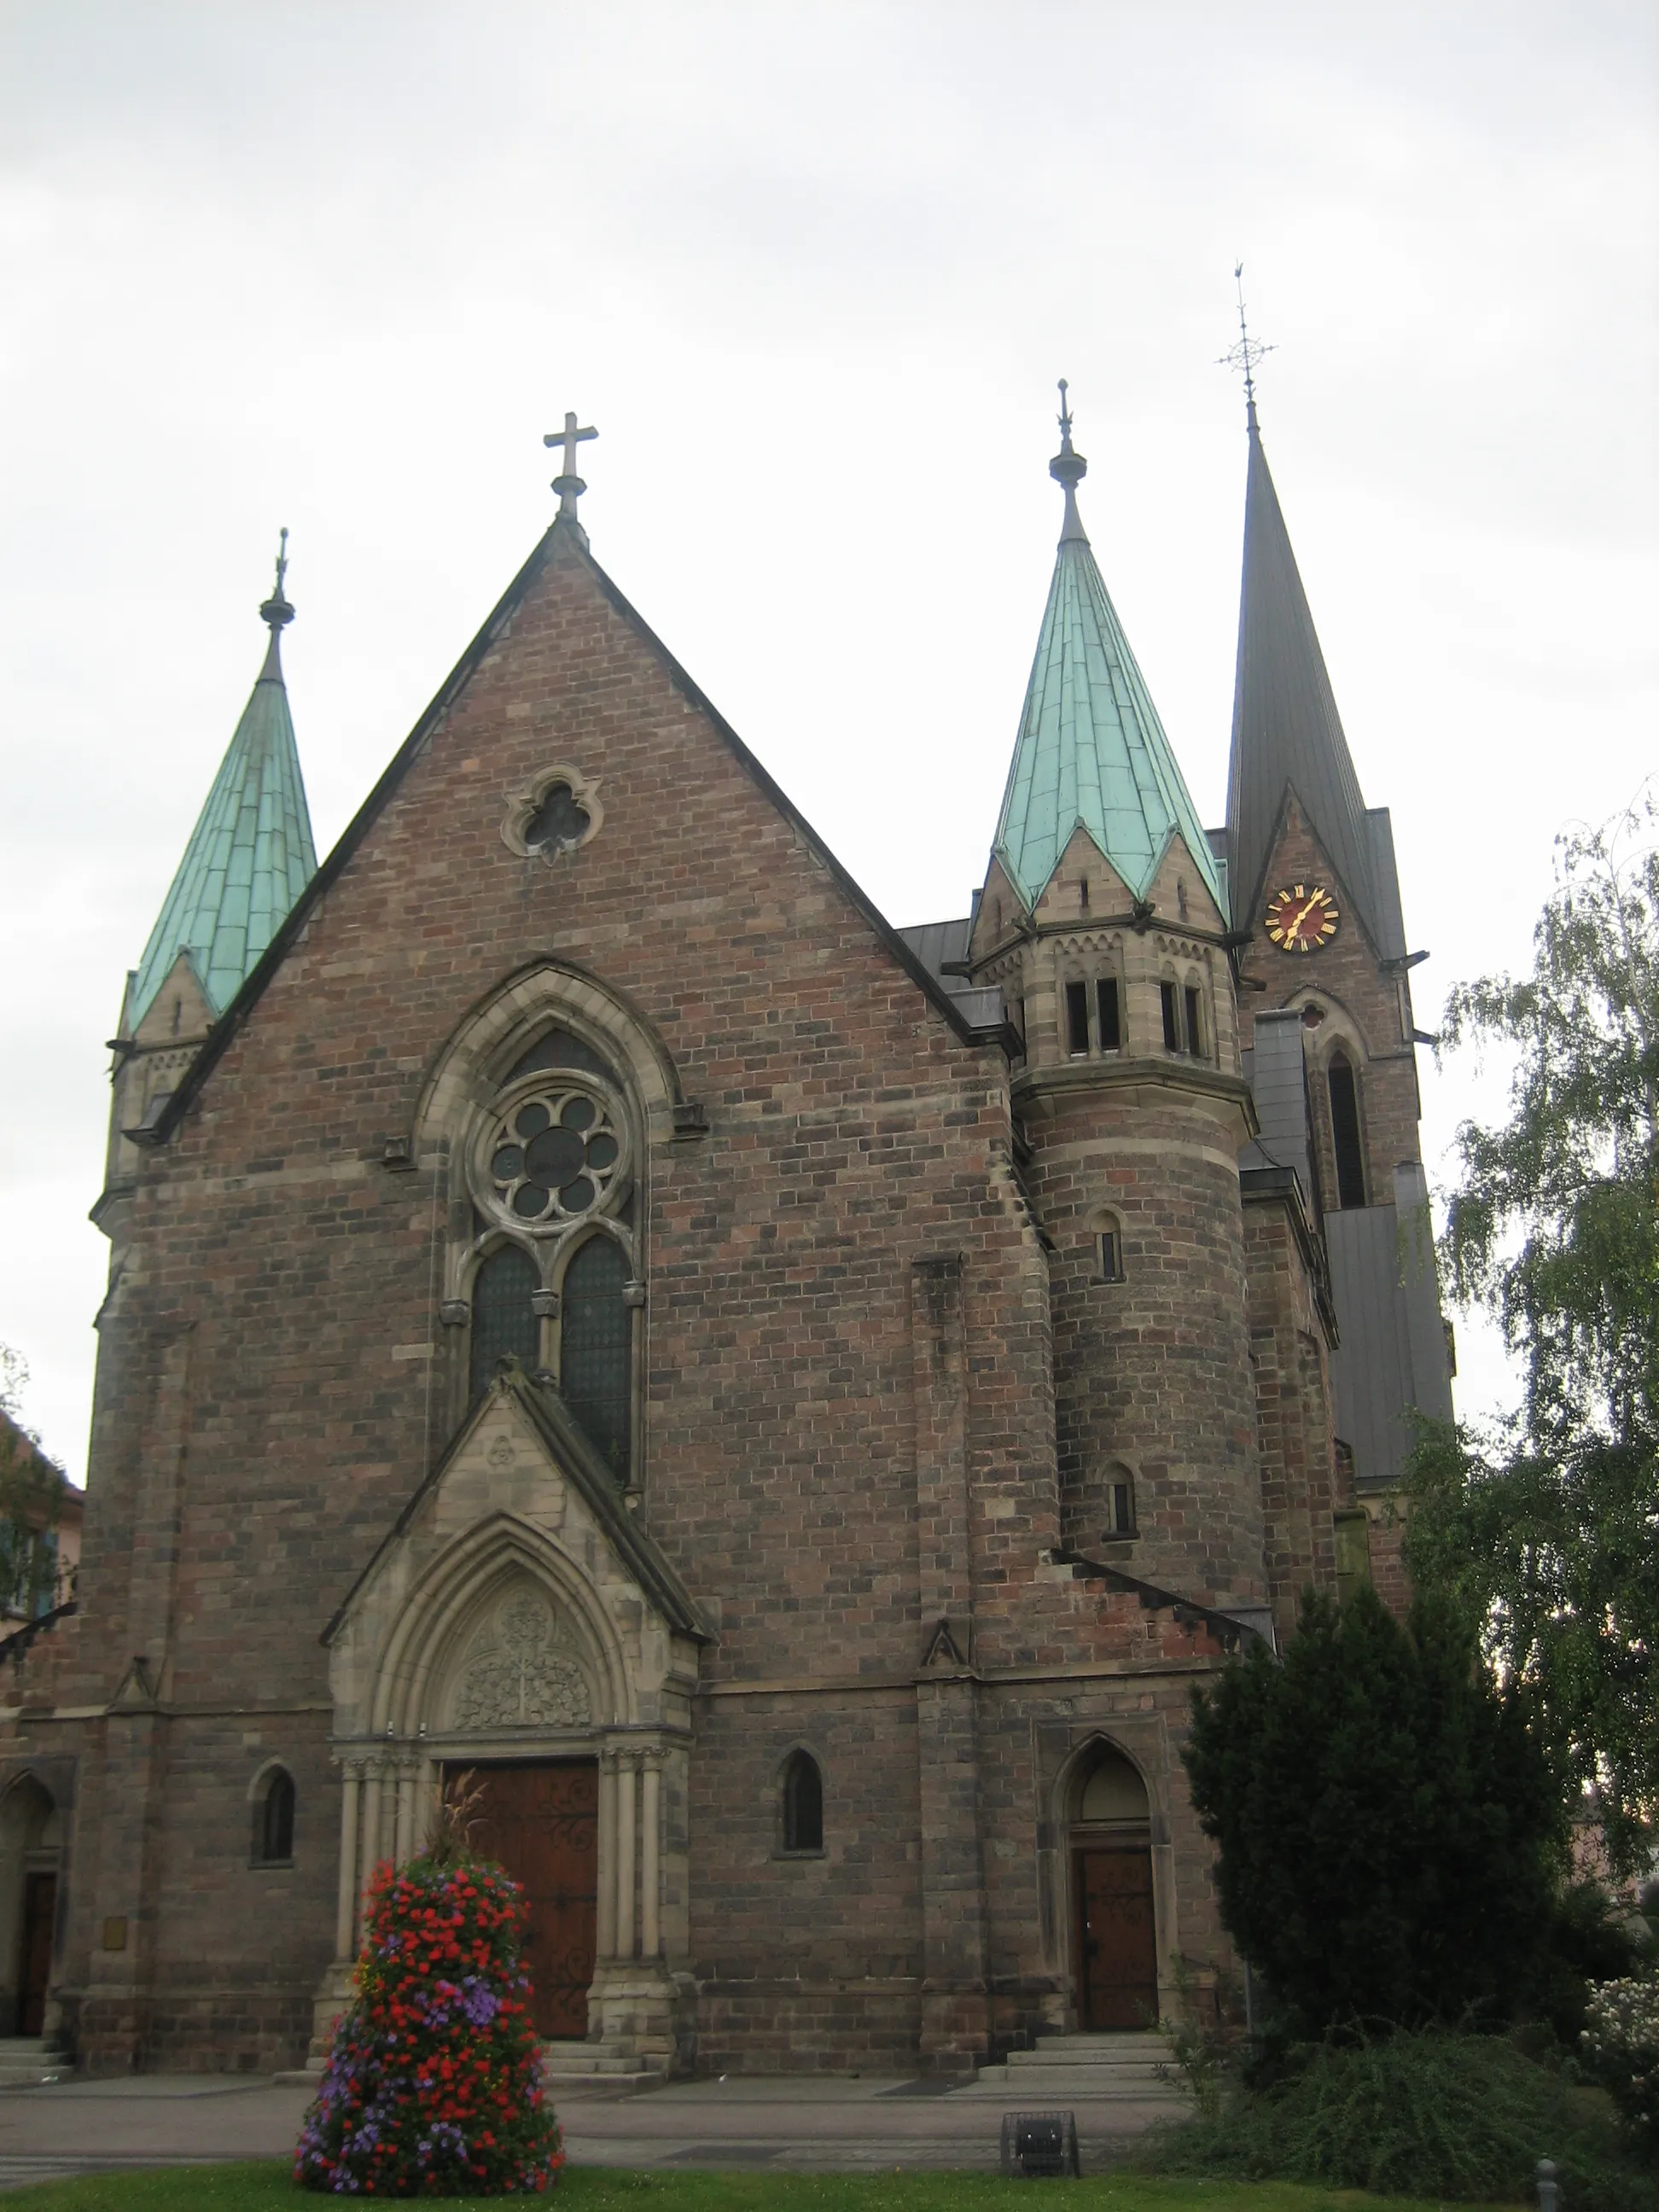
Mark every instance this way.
x=276 y=611
x=1247 y=353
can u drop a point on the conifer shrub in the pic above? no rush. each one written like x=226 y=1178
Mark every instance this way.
x=1422 y=2112
x=1391 y=1832
x=432 y=2086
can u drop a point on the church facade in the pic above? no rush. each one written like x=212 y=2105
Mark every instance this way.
x=791 y=1407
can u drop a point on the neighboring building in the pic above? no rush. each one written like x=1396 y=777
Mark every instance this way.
x=796 y=1404
x=40 y=1544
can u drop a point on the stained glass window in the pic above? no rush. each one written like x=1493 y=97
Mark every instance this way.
x=595 y=1337
x=559 y=1049
x=503 y=1319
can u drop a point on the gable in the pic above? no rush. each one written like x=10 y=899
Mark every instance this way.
x=580 y=618
x=518 y=1515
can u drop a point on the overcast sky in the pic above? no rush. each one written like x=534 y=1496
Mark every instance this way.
x=813 y=270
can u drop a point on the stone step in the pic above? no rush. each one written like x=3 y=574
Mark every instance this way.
x=1121 y=2068
x=28 y=2063
x=1129 y=2040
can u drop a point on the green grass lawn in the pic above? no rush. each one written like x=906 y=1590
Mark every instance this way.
x=607 y=2188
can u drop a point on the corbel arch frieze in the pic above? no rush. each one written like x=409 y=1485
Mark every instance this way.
x=475 y=1057
x=450 y=1599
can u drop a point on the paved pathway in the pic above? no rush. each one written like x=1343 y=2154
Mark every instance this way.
x=846 y=2123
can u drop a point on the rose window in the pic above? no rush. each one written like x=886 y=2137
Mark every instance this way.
x=554 y=1156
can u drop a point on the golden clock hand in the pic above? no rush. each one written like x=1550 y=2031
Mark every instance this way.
x=1293 y=930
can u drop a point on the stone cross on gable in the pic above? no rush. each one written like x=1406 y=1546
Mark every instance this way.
x=567 y=485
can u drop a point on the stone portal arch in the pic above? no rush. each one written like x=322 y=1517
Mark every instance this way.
x=1111 y=1888
x=30 y=1862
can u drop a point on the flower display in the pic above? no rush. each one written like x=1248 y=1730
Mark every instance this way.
x=432 y=2086
x=1622 y=2041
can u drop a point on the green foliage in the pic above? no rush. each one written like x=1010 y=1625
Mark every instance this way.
x=1448 y=2116
x=1390 y=1832
x=1621 y=2043
x=1592 y=1940
x=1549 y=1526
x=32 y=1489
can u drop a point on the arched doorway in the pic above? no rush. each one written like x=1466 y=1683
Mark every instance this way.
x=1114 y=1927
x=31 y=1839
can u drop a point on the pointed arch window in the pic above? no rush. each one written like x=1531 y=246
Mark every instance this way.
x=504 y=1318
x=1343 y=1085
x=595 y=1341
x=273 y=1820
x=803 y=1803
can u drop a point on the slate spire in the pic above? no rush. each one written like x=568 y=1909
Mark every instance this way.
x=1288 y=733
x=250 y=853
x=1090 y=748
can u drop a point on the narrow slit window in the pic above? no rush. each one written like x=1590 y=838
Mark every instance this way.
x=803 y=1804
x=273 y=1822
x=1172 y=1017
x=1194 y=1024
x=1108 y=1250
x=1345 y=1131
x=1076 y=1018
x=503 y=1319
x=1111 y=1023
x=595 y=1347
x=1120 y=1508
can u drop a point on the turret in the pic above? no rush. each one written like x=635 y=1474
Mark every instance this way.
x=1103 y=919
x=248 y=859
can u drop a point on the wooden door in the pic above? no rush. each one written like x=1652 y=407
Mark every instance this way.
x=541 y=1822
x=34 y=1976
x=1117 y=1962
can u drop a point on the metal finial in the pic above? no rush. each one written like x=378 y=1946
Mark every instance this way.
x=1068 y=468
x=1246 y=354
x=276 y=611
x=567 y=485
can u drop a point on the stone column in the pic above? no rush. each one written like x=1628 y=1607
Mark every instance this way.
x=345 y=1909
x=606 y=1931
x=650 y=1854
x=371 y=1820
x=402 y=1821
x=625 y=1836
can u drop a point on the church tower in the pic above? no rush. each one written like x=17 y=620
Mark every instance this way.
x=1325 y=981
x=250 y=856
x=1103 y=920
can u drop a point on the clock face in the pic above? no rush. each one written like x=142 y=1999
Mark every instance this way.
x=1302 y=919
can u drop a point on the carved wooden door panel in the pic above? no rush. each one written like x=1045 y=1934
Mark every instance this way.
x=541 y=1822
x=39 y=1910
x=1117 y=1963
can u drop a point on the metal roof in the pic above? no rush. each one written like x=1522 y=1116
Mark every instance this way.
x=1090 y=748
x=1288 y=733
x=249 y=856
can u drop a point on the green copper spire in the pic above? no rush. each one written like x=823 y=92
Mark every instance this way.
x=250 y=854
x=1090 y=748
